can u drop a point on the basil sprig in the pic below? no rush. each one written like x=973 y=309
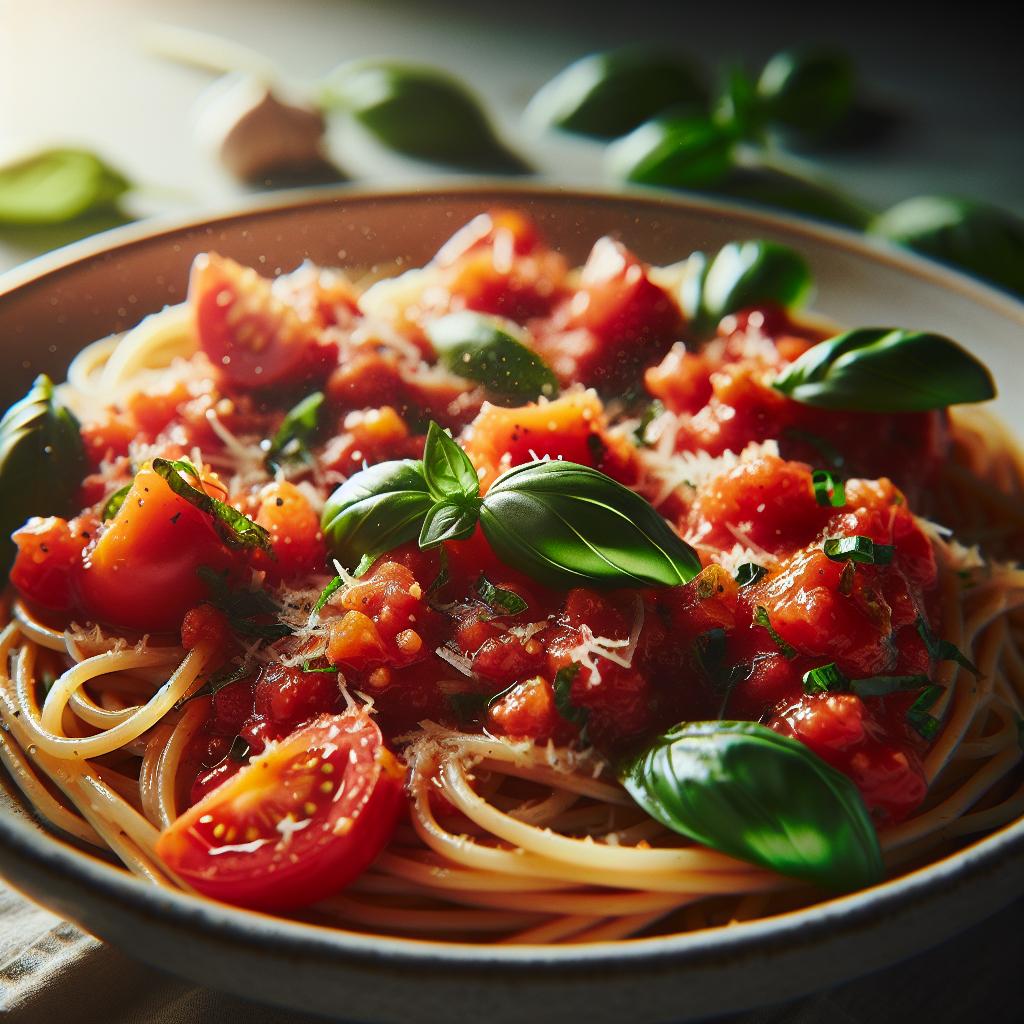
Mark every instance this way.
x=561 y=523
x=42 y=461
x=235 y=528
x=745 y=790
x=376 y=510
x=738 y=276
x=299 y=426
x=886 y=369
x=608 y=94
x=420 y=112
x=478 y=348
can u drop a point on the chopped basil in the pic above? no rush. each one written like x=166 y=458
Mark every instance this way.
x=829 y=490
x=308 y=666
x=743 y=789
x=858 y=549
x=824 y=679
x=943 y=650
x=762 y=619
x=236 y=529
x=918 y=713
x=882 y=686
x=846 y=578
x=291 y=442
x=242 y=607
x=113 y=504
x=564 y=705
x=216 y=683
x=651 y=413
x=748 y=573
x=498 y=599
x=327 y=593
x=468 y=707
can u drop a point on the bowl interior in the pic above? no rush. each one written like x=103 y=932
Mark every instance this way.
x=51 y=308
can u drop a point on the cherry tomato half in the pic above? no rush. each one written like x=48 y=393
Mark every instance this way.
x=299 y=822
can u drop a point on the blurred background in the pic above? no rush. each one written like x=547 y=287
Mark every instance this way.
x=869 y=107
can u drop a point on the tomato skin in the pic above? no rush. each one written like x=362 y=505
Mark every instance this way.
x=296 y=824
x=141 y=573
x=252 y=337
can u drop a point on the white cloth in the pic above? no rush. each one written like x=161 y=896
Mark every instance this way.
x=51 y=973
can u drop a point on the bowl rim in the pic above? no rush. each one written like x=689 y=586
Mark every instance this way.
x=53 y=856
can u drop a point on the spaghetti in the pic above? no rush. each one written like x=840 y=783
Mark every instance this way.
x=511 y=836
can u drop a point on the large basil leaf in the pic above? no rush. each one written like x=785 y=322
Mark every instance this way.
x=742 y=789
x=974 y=236
x=477 y=347
x=447 y=468
x=420 y=112
x=674 y=152
x=568 y=525
x=886 y=369
x=42 y=461
x=741 y=275
x=57 y=186
x=376 y=510
x=608 y=94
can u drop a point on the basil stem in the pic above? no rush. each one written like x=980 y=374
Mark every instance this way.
x=291 y=442
x=568 y=525
x=608 y=94
x=57 y=186
x=376 y=510
x=478 y=348
x=886 y=369
x=42 y=461
x=420 y=112
x=741 y=275
x=674 y=152
x=235 y=528
x=975 y=237
x=747 y=791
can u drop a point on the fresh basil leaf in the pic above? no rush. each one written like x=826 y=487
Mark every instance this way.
x=807 y=93
x=886 y=369
x=498 y=599
x=327 y=593
x=448 y=520
x=419 y=111
x=926 y=724
x=651 y=413
x=308 y=666
x=42 y=461
x=943 y=650
x=748 y=573
x=564 y=705
x=113 y=504
x=291 y=442
x=57 y=186
x=673 y=152
x=829 y=490
x=858 y=549
x=745 y=790
x=235 y=528
x=973 y=236
x=568 y=525
x=478 y=348
x=608 y=94
x=762 y=618
x=824 y=679
x=376 y=510
x=446 y=467
x=741 y=275
x=882 y=686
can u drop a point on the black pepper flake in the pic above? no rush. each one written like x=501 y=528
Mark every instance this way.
x=279 y=502
x=175 y=517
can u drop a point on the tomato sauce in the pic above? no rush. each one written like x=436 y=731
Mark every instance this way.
x=414 y=634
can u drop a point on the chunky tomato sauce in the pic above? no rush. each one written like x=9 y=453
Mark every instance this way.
x=413 y=634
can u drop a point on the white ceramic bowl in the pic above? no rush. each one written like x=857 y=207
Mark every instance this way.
x=53 y=306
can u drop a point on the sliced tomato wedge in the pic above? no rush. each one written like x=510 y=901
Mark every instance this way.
x=251 y=336
x=298 y=823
